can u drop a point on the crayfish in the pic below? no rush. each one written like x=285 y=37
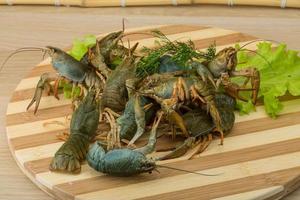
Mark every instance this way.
x=194 y=95
x=222 y=67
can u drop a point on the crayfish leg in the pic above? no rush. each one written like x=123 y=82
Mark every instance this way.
x=55 y=88
x=205 y=143
x=180 y=150
x=64 y=136
x=174 y=117
x=113 y=138
x=254 y=76
x=221 y=137
x=217 y=120
x=149 y=148
x=140 y=120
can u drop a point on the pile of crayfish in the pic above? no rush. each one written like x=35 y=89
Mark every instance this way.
x=171 y=91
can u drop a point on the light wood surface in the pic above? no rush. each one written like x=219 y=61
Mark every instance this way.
x=61 y=25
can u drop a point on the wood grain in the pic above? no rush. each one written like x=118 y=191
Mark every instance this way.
x=277 y=25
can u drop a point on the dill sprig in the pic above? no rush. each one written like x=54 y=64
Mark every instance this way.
x=211 y=52
x=180 y=52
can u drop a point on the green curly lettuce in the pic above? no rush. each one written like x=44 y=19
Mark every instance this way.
x=279 y=74
x=80 y=47
x=67 y=90
x=245 y=107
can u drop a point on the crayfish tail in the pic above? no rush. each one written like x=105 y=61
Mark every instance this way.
x=64 y=162
x=70 y=155
x=95 y=156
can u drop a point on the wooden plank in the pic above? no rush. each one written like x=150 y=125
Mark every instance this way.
x=264 y=124
x=253 y=139
x=16 y=130
x=289 y=107
x=239 y=128
x=29 y=83
x=256 y=152
x=234 y=143
x=92 y=184
x=255 y=194
x=42 y=114
x=36 y=153
x=49 y=179
x=46 y=102
x=232 y=187
x=36 y=140
x=39 y=127
x=230 y=172
x=193 y=35
x=37 y=166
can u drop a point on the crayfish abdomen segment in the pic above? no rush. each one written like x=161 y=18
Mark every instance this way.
x=70 y=155
x=114 y=97
x=115 y=93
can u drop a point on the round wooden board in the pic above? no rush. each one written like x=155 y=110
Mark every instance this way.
x=259 y=159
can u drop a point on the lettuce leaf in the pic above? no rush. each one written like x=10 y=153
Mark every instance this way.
x=245 y=107
x=279 y=74
x=67 y=90
x=80 y=47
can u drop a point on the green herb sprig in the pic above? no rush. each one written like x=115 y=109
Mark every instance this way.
x=181 y=53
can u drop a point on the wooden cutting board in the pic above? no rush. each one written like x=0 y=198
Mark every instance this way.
x=260 y=158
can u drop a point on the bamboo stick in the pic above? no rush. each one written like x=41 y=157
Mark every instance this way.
x=276 y=3
x=43 y=2
x=97 y=3
x=105 y=3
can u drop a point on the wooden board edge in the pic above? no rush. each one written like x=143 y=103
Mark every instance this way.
x=291 y=186
x=30 y=176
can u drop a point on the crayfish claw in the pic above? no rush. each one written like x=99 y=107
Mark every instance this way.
x=36 y=99
x=204 y=73
x=55 y=88
x=44 y=83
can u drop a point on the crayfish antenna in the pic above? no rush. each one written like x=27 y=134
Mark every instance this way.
x=123 y=24
x=263 y=40
x=264 y=58
x=22 y=50
x=183 y=170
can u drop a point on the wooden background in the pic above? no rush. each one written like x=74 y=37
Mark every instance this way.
x=36 y=26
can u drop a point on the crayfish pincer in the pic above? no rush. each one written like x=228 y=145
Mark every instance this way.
x=124 y=162
x=83 y=128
